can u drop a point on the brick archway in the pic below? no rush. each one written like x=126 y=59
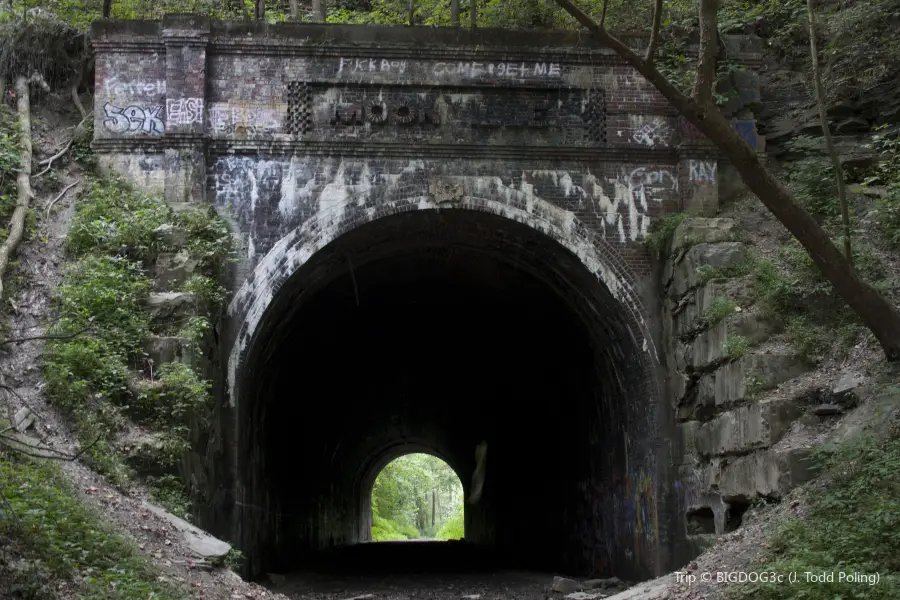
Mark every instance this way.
x=617 y=493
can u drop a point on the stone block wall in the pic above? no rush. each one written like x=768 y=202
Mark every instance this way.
x=725 y=447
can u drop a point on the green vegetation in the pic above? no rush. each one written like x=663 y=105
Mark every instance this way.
x=659 y=234
x=707 y=273
x=717 y=311
x=853 y=526
x=454 y=528
x=97 y=376
x=737 y=346
x=50 y=536
x=417 y=496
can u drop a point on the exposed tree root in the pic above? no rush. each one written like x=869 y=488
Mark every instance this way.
x=23 y=181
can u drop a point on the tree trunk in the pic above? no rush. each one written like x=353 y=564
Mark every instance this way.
x=473 y=13
x=875 y=311
x=454 y=13
x=826 y=132
x=295 y=10
x=107 y=8
x=433 y=506
x=260 y=10
x=411 y=9
x=319 y=11
x=23 y=179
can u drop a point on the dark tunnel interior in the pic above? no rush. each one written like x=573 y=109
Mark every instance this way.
x=432 y=331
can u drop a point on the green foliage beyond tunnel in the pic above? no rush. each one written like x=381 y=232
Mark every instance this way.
x=417 y=496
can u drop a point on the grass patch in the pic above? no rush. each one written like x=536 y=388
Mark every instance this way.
x=48 y=536
x=737 y=346
x=853 y=526
x=717 y=311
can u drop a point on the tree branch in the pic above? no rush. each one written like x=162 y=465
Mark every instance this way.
x=654 y=32
x=879 y=314
x=603 y=14
x=709 y=46
x=61 y=336
x=10 y=443
x=61 y=194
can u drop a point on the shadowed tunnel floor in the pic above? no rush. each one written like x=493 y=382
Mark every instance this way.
x=429 y=332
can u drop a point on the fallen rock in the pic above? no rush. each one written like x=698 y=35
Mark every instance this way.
x=200 y=542
x=470 y=597
x=170 y=305
x=584 y=596
x=145 y=452
x=844 y=390
x=170 y=270
x=171 y=235
x=23 y=419
x=564 y=585
x=826 y=410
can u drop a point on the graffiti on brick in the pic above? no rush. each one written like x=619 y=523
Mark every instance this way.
x=228 y=118
x=747 y=131
x=116 y=87
x=145 y=119
x=653 y=132
x=702 y=171
x=652 y=180
x=184 y=111
x=371 y=65
x=498 y=69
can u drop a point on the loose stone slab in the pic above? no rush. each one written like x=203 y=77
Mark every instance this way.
x=200 y=542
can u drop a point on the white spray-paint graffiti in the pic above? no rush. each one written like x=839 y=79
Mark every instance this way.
x=701 y=171
x=184 y=111
x=115 y=87
x=655 y=132
x=371 y=65
x=134 y=119
x=249 y=119
x=503 y=69
x=633 y=193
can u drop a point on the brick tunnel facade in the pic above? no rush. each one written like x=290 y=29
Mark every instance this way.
x=440 y=239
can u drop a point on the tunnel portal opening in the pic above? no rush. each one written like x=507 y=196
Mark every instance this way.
x=430 y=331
x=419 y=497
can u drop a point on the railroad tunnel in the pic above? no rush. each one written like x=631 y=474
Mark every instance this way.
x=430 y=331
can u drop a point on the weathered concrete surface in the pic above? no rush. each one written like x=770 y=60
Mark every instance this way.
x=772 y=473
x=712 y=345
x=746 y=428
x=688 y=273
x=753 y=373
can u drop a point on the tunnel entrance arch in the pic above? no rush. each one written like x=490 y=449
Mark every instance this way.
x=516 y=311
